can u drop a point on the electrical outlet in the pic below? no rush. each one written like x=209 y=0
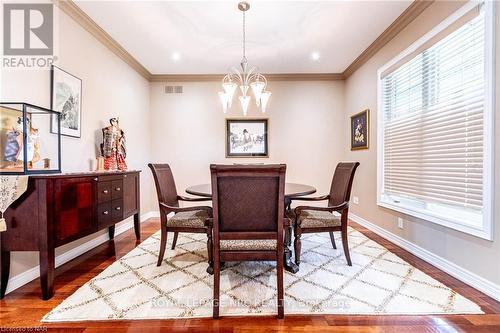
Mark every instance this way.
x=355 y=199
x=400 y=223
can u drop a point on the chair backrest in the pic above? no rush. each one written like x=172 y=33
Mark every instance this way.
x=340 y=191
x=165 y=184
x=248 y=198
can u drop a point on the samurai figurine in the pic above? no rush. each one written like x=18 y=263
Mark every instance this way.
x=113 y=146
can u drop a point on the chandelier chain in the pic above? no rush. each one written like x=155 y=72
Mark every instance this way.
x=244 y=37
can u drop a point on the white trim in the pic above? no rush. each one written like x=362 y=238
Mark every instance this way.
x=486 y=230
x=428 y=216
x=475 y=281
x=33 y=273
x=489 y=121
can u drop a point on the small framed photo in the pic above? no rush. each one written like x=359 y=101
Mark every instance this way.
x=360 y=128
x=66 y=98
x=247 y=138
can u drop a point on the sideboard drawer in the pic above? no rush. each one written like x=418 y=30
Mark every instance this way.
x=116 y=189
x=117 y=210
x=104 y=215
x=103 y=191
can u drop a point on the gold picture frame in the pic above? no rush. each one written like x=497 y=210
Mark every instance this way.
x=360 y=130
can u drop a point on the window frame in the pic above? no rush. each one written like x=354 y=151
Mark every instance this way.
x=486 y=230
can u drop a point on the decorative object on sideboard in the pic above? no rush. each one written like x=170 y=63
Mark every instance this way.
x=11 y=188
x=25 y=142
x=113 y=146
x=247 y=138
x=100 y=164
x=46 y=163
x=66 y=98
x=246 y=78
x=360 y=130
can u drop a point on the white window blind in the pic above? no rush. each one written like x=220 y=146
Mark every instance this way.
x=432 y=109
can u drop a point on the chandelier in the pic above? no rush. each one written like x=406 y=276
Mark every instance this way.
x=245 y=78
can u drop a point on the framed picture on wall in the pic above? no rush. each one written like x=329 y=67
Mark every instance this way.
x=360 y=127
x=66 y=97
x=247 y=138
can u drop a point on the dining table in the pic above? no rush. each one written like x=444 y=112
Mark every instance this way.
x=292 y=191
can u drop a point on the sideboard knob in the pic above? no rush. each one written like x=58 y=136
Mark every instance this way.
x=124 y=176
x=105 y=191
x=105 y=212
x=95 y=179
x=118 y=208
x=117 y=189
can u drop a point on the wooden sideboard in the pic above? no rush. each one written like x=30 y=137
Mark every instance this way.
x=58 y=209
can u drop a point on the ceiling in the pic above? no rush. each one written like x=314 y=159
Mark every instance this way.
x=205 y=37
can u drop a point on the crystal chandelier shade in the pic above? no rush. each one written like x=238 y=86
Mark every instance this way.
x=247 y=79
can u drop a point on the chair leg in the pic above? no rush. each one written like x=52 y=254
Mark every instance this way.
x=216 y=288
x=345 y=243
x=332 y=239
x=163 y=243
x=175 y=240
x=281 y=310
x=297 y=245
x=210 y=251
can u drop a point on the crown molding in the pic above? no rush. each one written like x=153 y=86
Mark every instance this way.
x=410 y=14
x=269 y=77
x=79 y=16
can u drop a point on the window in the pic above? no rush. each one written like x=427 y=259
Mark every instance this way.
x=436 y=119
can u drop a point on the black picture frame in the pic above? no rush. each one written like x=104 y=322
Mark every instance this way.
x=258 y=146
x=75 y=133
x=360 y=130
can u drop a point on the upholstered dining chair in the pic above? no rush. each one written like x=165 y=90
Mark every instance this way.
x=185 y=219
x=334 y=217
x=248 y=219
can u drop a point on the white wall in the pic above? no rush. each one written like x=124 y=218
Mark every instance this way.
x=305 y=126
x=471 y=253
x=111 y=88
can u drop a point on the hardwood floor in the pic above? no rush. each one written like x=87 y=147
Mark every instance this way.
x=23 y=308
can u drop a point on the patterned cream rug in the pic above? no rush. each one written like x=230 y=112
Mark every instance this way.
x=379 y=282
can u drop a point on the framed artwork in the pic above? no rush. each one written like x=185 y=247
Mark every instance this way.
x=66 y=98
x=360 y=127
x=247 y=138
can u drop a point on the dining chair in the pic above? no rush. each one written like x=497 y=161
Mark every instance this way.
x=186 y=219
x=334 y=217
x=248 y=219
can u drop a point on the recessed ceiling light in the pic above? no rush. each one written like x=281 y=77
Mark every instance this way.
x=176 y=56
x=315 y=56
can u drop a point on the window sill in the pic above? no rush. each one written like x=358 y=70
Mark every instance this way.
x=424 y=215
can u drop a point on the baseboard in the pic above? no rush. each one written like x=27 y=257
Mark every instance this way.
x=489 y=288
x=33 y=273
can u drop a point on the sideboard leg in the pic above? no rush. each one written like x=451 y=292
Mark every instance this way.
x=47 y=268
x=137 y=226
x=111 y=232
x=5 y=270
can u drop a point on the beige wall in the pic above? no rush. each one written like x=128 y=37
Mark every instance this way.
x=110 y=88
x=472 y=253
x=305 y=122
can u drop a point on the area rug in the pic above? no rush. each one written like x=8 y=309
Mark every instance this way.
x=379 y=282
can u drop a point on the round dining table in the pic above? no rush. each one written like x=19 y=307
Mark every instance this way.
x=292 y=191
